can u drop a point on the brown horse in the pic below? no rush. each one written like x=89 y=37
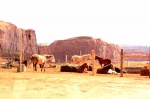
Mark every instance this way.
x=103 y=61
x=106 y=69
x=41 y=60
x=83 y=68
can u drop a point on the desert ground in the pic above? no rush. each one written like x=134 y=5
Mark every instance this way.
x=53 y=84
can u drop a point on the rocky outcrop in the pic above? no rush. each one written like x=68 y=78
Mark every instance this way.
x=10 y=37
x=83 y=44
x=43 y=49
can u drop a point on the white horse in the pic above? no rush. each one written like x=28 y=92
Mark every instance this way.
x=80 y=59
x=41 y=60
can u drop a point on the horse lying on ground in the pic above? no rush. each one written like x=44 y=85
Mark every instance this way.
x=67 y=68
x=78 y=59
x=144 y=71
x=80 y=69
x=118 y=70
x=83 y=68
x=107 y=69
x=102 y=61
x=41 y=60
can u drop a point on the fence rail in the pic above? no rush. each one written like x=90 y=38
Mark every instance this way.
x=135 y=56
x=132 y=56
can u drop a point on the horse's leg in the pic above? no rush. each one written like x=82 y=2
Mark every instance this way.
x=35 y=66
x=85 y=70
x=101 y=65
x=41 y=66
x=44 y=66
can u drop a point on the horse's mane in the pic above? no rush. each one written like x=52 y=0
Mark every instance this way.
x=102 y=60
x=86 y=55
x=98 y=57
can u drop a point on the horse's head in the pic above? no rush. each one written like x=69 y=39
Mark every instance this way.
x=50 y=57
x=88 y=56
x=97 y=57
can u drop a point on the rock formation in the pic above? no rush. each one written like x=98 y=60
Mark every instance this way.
x=11 y=38
x=83 y=44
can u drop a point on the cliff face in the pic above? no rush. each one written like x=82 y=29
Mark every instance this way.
x=10 y=36
x=43 y=49
x=85 y=45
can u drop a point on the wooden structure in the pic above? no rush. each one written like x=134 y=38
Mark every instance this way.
x=136 y=56
x=93 y=62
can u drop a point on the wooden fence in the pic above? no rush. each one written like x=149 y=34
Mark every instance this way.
x=132 y=56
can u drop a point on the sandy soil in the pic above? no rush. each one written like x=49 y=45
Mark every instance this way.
x=54 y=84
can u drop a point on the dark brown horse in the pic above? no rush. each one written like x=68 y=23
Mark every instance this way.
x=105 y=69
x=103 y=61
x=23 y=61
x=83 y=68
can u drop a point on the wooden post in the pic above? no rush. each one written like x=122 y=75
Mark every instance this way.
x=149 y=62
x=58 y=63
x=121 y=65
x=93 y=62
x=20 y=48
x=8 y=59
x=66 y=59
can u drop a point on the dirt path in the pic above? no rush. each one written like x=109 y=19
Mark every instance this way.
x=59 y=85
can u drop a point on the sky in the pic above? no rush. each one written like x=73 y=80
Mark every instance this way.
x=113 y=21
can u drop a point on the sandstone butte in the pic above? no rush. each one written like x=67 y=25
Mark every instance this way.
x=10 y=35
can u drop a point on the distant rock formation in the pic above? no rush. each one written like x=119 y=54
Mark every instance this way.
x=10 y=36
x=135 y=51
x=83 y=44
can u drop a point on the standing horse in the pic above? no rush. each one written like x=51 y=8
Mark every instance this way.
x=41 y=60
x=102 y=61
x=78 y=59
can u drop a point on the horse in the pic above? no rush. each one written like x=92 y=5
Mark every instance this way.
x=67 y=68
x=41 y=60
x=103 y=61
x=83 y=58
x=79 y=69
x=106 y=69
x=23 y=61
x=83 y=68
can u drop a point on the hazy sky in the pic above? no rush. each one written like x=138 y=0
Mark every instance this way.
x=115 y=21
